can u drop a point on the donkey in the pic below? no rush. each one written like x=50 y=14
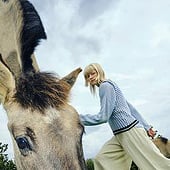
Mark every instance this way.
x=163 y=144
x=45 y=129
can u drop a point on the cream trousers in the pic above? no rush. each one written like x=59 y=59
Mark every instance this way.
x=121 y=149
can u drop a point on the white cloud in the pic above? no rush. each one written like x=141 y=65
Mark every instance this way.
x=161 y=34
x=130 y=39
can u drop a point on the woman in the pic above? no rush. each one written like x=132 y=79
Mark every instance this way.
x=131 y=131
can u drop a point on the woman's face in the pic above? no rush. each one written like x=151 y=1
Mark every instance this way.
x=92 y=77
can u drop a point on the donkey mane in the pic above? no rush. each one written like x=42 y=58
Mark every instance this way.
x=31 y=34
x=40 y=90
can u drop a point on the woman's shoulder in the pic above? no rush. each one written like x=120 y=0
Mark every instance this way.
x=107 y=83
x=106 y=88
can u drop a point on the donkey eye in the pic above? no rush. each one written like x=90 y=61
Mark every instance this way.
x=24 y=145
x=22 y=142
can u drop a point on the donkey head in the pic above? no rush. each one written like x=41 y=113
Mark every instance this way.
x=163 y=145
x=45 y=129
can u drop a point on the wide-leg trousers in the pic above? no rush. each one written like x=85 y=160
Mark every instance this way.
x=121 y=149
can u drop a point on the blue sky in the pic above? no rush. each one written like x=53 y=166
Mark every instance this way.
x=130 y=39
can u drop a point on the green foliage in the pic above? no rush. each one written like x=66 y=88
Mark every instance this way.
x=89 y=164
x=5 y=163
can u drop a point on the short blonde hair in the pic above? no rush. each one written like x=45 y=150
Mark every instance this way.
x=100 y=75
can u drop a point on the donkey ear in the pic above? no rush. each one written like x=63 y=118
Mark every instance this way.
x=14 y=65
x=7 y=82
x=71 y=78
x=20 y=35
x=34 y=63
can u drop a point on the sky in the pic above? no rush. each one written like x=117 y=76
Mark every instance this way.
x=130 y=39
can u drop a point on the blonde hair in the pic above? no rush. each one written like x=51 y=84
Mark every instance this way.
x=100 y=75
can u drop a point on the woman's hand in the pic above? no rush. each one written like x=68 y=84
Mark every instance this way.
x=151 y=132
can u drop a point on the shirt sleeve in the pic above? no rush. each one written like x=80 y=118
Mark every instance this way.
x=139 y=117
x=107 y=104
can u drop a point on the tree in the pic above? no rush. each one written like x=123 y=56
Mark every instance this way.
x=5 y=163
x=89 y=164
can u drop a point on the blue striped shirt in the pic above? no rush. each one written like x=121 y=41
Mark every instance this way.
x=115 y=110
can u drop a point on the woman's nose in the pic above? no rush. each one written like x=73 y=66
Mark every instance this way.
x=90 y=76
